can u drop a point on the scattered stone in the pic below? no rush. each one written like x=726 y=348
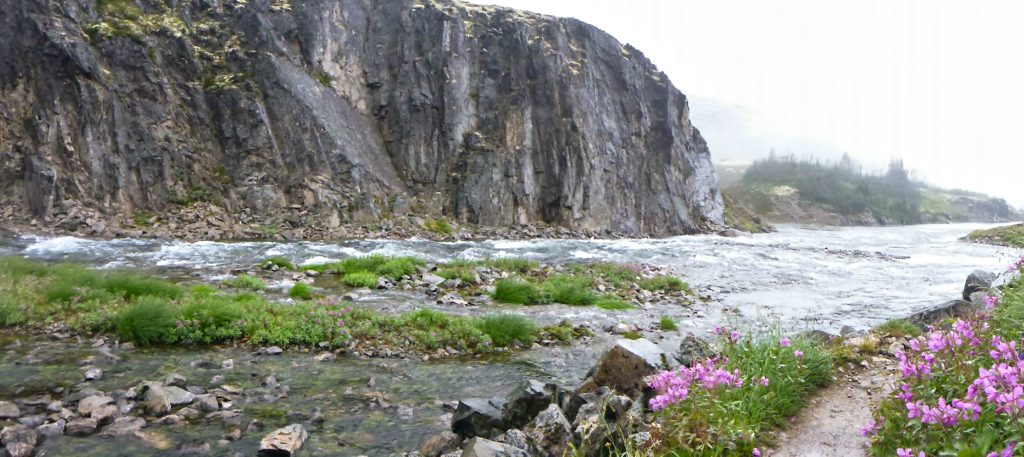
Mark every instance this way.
x=9 y=410
x=283 y=442
x=124 y=426
x=20 y=449
x=160 y=399
x=515 y=438
x=52 y=429
x=188 y=412
x=527 y=400
x=89 y=404
x=478 y=417
x=105 y=414
x=977 y=281
x=273 y=350
x=480 y=447
x=194 y=449
x=176 y=380
x=440 y=444
x=325 y=357
x=432 y=279
x=93 y=374
x=551 y=432
x=693 y=349
x=81 y=427
x=207 y=402
x=234 y=434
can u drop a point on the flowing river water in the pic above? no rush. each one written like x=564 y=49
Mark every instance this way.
x=795 y=279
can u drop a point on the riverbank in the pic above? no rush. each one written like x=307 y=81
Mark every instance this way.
x=1008 y=235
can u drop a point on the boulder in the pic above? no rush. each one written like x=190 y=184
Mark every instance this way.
x=18 y=433
x=9 y=410
x=52 y=429
x=936 y=313
x=515 y=438
x=124 y=426
x=283 y=442
x=176 y=380
x=550 y=431
x=693 y=349
x=81 y=427
x=432 y=279
x=207 y=402
x=525 y=401
x=478 y=417
x=160 y=399
x=481 y=447
x=624 y=367
x=977 y=281
x=20 y=450
x=92 y=403
x=440 y=444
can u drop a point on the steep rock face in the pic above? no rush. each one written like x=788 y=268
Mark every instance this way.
x=352 y=109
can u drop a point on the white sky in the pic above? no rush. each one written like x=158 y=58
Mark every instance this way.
x=939 y=83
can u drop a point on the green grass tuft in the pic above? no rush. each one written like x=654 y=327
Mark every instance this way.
x=131 y=286
x=512 y=265
x=149 y=320
x=613 y=304
x=439 y=226
x=245 y=281
x=899 y=328
x=280 y=261
x=503 y=329
x=517 y=291
x=667 y=324
x=570 y=290
x=360 y=279
x=663 y=283
x=301 y=291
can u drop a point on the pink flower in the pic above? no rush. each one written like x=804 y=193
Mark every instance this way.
x=764 y=381
x=799 y=354
x=991 y=301
x=784 y=342
x=756 y=453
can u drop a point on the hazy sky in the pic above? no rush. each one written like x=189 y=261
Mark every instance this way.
x=938 y=83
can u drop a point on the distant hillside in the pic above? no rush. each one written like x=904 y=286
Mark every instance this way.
x=784 y=189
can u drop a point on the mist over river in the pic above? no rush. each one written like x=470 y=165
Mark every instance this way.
x=797 y=278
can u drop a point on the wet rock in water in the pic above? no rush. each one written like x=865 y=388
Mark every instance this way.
x=325 y=357
x=105 y=414
x=283 y=442
x=405 y=413
x=440 y=444
x=160 y=399
x=693 y=349
x=207 y=402
x=624 y=367
x=977 y=281
x=52 y=429
x=19 y=440
x=525 y=401
x=89 y=404
x=93 y=374
x=20 y=450
x=124 y=426
x=81 y=427
x=481 y=447
x=194 y=449
x=432 y=279
x=188 y=412
x=273 y=350
x=478 y=417
x=176 y=380
x=550 y=431
x=9 y=410
x=228 y=364
x=952 y=308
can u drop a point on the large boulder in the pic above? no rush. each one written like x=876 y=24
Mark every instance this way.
x=603 y=421
x=693 y=349
x=480 y=447
x=625 y=366
x=478 y=417
x=936 y=313
x=531 y=397
x=550 y=432
x=977 y=281
x=159 y=400
x=283 y=442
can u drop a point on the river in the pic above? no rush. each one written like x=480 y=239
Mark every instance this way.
x=794 y=279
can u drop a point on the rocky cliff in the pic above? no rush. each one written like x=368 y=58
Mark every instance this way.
x=353 y=110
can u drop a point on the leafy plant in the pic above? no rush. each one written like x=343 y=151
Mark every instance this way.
x=663 y=283
x=899 y=328
x=439 y=226
x=280 y=262
x=301 y=291
x=245 y=281
x=360 y=279
x=570 y=290
x=613 y=304
x=667 y=324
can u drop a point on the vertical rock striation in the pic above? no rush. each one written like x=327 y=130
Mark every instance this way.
x=352 y=109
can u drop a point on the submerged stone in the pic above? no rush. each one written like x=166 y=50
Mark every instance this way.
x=283 y=442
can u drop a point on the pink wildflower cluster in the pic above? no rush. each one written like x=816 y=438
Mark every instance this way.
x=730 y=336
x=908 y=453
x=674 y=386
x=1016 y=266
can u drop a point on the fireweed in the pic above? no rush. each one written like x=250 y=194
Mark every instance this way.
x=723 y=406
x=961 y=387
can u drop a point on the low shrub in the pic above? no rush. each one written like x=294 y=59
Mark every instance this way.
x=245 y=281
x=460 y=273
x=517 y=291
x=360 y=279
x=504 y=329
x=131 y=286
x=439 y=226
x=512 y=265
x=210 y=319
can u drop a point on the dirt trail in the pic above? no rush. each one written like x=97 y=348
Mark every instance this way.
x=831 y=422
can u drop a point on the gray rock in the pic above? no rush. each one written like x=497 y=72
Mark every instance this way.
x=550 y=431
x=194 y=449
x=977 y=281
x=283 y=442
x=176 y=380
x=228 y=364
x=625 y=365
x=18 y=433
x=160 y=399
x=440 y=444
x=32 y=421
x=525 y=401
x=93 y=374
x=105 y=414
x=9 y=410
x=480 y=447
x=52 y=429
x=273 y=350
x=89 y=404
x=81 y=427
x=124 y=426
x=978 y=299
x=20 y=450
x=515 y=438
x=207 y=402
x=933 y=314
x=432 y=279
x=693 y=349
x=478 y=417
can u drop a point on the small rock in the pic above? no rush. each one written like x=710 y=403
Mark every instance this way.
x=207 y=402
x=283 y=442
x=440 y=444
x=81 y=427
x=93 y=374
x=551 y=431
x=480 y=447
x=52 y=429
x=176 y=380
x=89 y=404
x=194 y=449
x=9 y=410
x=228 y=364
x=273 y=350
x=325 y=357
x=124 y=426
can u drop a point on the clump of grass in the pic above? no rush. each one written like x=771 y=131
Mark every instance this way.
x=667 y=324
x=462 y=274
x=517 y=291
x=663 y=283
x=613 y=304
x=512 y=265
x=391 y=267
x=439 y=226
x=149 y=320
x=570 y=290
x=504 y=329
x=632 y=335
x=280 y=262
x=210 y=319
x=899 y=328
x=396 y=267
x=360 y=279
x=301 y=291
x=245 y=281
x=131 y=286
